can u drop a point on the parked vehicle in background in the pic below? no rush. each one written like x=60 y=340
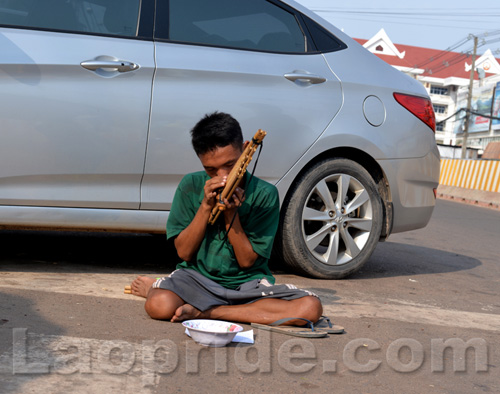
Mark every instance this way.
x=98 y=97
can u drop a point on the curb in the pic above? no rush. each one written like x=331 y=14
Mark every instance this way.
x=468 y=196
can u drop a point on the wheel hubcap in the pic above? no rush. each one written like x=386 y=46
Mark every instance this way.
x=337 y=219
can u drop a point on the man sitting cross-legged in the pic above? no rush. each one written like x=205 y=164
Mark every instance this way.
x=224 y=274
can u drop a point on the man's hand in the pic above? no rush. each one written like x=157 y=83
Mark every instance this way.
x=212 y=187
x=189 y=240
x=233 y=203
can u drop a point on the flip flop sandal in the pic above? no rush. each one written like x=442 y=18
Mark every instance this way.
x=324 y=324
x=298 y=331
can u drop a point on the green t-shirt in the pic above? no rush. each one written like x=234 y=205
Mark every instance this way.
x=259 y=216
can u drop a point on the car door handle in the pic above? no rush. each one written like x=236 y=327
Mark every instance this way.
x=111 y=65
x=304 y=77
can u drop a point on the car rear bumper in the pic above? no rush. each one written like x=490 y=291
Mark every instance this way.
x=412 y=183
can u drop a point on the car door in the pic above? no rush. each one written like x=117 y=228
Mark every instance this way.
x=251 y=59
x=76 y=82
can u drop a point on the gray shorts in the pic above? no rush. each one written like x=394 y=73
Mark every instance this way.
x=203 y=293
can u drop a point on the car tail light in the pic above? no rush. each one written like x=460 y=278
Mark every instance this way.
x=420 y=107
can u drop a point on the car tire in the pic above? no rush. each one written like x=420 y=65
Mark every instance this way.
x=332 y=220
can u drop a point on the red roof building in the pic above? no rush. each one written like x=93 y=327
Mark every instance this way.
x=446 y=76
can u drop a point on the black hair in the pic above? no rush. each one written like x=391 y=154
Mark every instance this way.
x=216 y=130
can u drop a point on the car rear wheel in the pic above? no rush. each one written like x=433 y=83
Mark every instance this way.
x=332 y=221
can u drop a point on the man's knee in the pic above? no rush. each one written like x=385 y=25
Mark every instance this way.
x=162 y=304
x=311 y=308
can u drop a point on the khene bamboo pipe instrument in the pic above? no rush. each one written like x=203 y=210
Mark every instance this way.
x=236 y=175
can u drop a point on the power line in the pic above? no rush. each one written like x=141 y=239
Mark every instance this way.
x=426 y=14
x=444 y=17
x=442 y=67
x=488 y=37
x=406 y=23
x=457 y=57
x=441 y=54
x=419 y=9
x=488 y=116
x=454 y=59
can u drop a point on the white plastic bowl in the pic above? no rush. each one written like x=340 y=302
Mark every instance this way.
x=214 y=333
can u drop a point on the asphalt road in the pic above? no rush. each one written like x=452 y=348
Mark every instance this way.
x=422 y=316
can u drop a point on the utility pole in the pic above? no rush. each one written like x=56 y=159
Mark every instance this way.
x=469 y=101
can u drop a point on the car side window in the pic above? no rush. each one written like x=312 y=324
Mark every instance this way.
x=109 y=17
x=240 y=24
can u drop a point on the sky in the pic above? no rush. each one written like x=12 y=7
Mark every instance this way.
x=438 y=24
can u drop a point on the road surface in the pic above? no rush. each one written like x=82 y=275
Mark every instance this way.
x=422 y=316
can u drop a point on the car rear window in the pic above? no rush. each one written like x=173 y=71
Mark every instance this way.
x=109 y=17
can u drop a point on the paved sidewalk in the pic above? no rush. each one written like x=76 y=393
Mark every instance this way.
x=470 y=196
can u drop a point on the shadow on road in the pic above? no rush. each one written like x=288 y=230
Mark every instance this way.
x=86 y=252
x=21 y=361
x=122 y=253
x=392 y=259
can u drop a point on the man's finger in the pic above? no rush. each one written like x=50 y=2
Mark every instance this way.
x=237 y=200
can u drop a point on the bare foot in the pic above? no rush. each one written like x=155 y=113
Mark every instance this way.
x=185 y=312
x=141 y=285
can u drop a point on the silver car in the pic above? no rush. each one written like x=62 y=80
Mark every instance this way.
x=98 y=97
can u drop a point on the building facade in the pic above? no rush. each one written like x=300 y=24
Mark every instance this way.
x=446 y=76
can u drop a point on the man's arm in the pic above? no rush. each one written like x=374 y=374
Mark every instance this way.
x=243 y=250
